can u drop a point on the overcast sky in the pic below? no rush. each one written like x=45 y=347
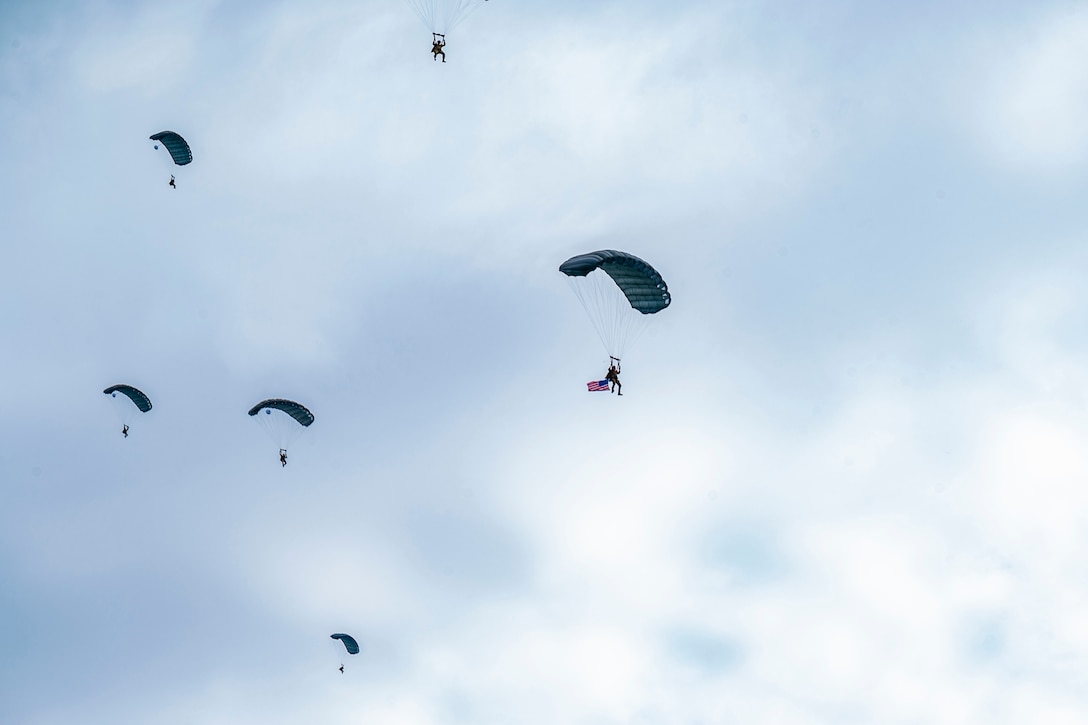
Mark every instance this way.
x=846 y=480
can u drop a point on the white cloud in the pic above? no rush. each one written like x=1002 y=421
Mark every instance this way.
x=507 y=547
x=150 y=49
x=1029 y=95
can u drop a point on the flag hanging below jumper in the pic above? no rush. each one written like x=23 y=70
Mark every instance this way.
x=597 y=385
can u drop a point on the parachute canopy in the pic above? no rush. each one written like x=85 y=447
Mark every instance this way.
x=290 y=407
x=176 y=145
x=349 y=642
x=442 y=16
x=618 y=291
x=138 y=398
x=640 y=283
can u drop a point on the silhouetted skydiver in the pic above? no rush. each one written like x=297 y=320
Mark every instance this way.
x=613 y=376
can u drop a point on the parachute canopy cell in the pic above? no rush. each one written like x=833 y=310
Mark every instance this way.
x=640 y=283
x=290 y=407
x=176 y=145
x=138 y=398
x=349 y=642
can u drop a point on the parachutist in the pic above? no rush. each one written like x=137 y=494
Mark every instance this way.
x=613 y=376
x=129 y=395
x=620 y=293
x=438 y=42
x=341 y=669
x=172 y=181
x=278 y=417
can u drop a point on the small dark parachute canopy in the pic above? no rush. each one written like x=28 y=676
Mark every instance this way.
x=176 y=145
x=137 y=397
x=297 y=411
x=349 y=642
x=618 y=291
x=282 y=419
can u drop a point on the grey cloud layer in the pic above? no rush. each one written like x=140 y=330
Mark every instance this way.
x=842 y=485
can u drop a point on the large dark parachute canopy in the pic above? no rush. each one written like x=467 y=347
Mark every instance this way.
x=619 y=291
x=296 y=410
x=176 y=145
x=639 y=282
x=137 y=397
x=349 y=642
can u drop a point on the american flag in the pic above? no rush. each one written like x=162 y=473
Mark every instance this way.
x=597 y=385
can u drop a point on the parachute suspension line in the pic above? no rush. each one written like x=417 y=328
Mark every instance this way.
x=337 y=651
x=590 y=304
x=281 y=428
x=618 y=325
x=463 y=10
x=123 y=407
x=442 y=16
